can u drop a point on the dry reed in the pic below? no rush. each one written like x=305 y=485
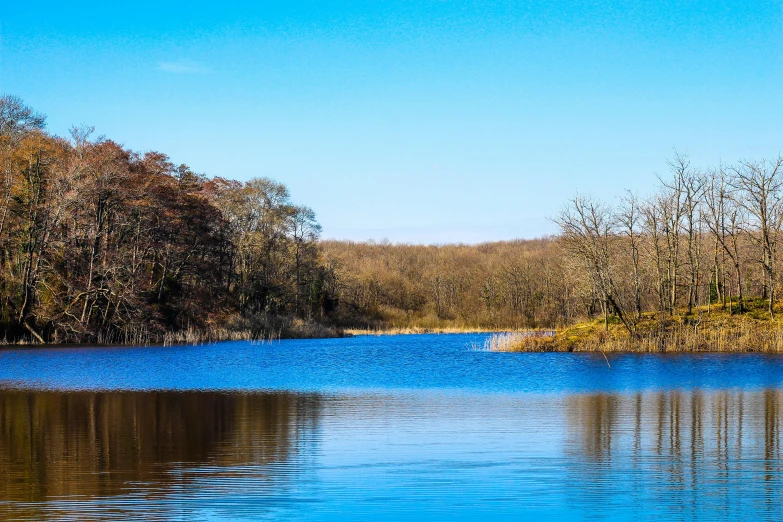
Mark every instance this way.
x=508 y=341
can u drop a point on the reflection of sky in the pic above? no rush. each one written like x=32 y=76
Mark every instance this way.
x=435 y=455
x=689 y=455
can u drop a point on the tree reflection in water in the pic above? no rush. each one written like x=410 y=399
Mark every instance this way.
x=86 y=446
x=689 y=451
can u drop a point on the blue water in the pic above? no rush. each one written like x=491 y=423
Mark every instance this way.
x=387 y=428
x=384 y=363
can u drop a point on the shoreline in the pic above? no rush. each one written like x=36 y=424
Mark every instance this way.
x=704 y=330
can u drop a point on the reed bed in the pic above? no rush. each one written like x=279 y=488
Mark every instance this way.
x=507 y=341
x=254 y=332
x=257 y=330
x=195 y=336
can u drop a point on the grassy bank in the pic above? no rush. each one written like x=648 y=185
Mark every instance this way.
x=713 y=330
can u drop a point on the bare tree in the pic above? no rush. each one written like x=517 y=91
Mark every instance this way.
x=18 y=120
x=760 y=186
x=673 y=207
x=693 y=185
x=588 y=230
x=724 y=220
x=305 y=231
x=653 y=227
x=629 y=217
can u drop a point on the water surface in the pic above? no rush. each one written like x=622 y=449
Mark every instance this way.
x=403 y=427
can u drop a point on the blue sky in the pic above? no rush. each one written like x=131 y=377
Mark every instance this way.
x=417 y=121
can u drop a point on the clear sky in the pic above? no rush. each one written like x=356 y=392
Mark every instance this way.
x=419 y=120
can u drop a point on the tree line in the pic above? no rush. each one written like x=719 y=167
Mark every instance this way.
x=704 y=238
x=102 y=244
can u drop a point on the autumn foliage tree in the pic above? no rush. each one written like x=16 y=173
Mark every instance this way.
x=102 y=244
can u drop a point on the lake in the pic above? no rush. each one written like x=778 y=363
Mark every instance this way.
x=387 y=428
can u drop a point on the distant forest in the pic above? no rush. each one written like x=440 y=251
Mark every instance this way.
x=101 y=244
x=703 y=238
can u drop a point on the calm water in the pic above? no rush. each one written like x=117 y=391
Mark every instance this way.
x=404 y=427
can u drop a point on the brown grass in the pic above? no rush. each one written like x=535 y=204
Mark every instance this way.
x=716 y=331
x=254 y=330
